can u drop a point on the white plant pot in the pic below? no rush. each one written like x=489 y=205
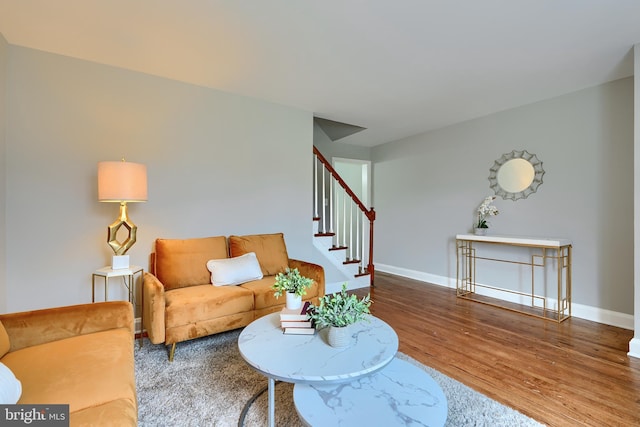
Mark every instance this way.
x=339 y=337
x=481 y=231
x=293 y=301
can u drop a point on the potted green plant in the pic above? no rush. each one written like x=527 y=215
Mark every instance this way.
x=485 y=210
x=338 y=311
x=293 y=284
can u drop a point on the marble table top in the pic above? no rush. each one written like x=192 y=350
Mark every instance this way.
x=540 y=242
x=309 y=358
x=400 y=394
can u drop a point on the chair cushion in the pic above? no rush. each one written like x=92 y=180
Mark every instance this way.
x=49 y=372
x=119 y=412
x=180 y=263
x=194 y=304
x=269 y=248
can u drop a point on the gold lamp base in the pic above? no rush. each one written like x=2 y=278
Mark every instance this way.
x=121 y=248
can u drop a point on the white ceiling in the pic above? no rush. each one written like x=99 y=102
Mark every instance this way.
x=395 y=67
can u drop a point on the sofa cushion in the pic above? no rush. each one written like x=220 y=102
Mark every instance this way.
x=118 y=413
x=5 y=344
x=235 y=270
x=180 y=263
x=84 y=371
x=199 y=303
x=269 y=248
x=263 y=293
x=10 y=387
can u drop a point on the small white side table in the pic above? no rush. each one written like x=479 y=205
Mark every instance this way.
x=126 y=273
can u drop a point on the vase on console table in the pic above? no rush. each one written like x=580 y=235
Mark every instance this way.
x=480 y=231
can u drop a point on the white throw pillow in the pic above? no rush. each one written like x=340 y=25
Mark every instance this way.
x=234 y=271
x=10 y=386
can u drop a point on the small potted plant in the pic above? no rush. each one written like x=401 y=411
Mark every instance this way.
x=485 y=210
x=293 y=284
x=338 y=311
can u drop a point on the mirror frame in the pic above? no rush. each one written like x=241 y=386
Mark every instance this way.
x=538 y=172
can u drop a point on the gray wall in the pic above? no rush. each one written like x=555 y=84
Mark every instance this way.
x=213 y=158
x=218 y=164
x=331 y=149
x=427 y=188
x=4 y=53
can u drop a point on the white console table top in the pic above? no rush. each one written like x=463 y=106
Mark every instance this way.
x=541 y=242
x=309 y=359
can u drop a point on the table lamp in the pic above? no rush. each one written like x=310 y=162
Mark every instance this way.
x=121 y=182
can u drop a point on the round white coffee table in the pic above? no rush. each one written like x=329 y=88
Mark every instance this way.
x=308 y=359
x=399 y=394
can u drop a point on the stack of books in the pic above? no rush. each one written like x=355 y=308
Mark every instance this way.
x=296 y=322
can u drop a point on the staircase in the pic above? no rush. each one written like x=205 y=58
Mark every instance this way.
x=343 y=225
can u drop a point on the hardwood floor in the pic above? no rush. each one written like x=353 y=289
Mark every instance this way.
x=576 y=373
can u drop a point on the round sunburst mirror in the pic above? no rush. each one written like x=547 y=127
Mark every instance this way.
x=516 y=175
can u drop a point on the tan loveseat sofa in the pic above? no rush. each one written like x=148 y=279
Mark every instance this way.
x=78 y=355
x=180 y=303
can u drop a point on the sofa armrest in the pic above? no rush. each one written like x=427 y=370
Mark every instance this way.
x=29 y=328
x=153 y=308
x=310 y=270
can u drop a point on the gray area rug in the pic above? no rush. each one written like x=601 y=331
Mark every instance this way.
x=208 y=384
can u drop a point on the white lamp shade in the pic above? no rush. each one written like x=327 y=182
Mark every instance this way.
x=122 y=182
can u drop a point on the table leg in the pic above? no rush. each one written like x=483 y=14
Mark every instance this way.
x=272 y=402
x=130 y=289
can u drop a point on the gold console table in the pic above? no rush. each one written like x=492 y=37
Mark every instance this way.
x=543 y=250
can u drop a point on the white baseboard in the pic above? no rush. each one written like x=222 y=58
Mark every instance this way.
x=634 y=348
x=594 y=314
x=137 y=326
x=417 y=275
x=600 y=315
